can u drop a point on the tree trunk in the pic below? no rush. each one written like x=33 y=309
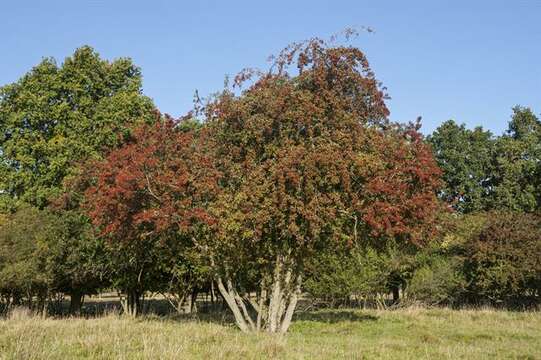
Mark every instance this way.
x=189 y=304
x=42 y=303
x=294 y=298
x=212 y=295
x=180 y=303
x=261 y=306
x=16 y=299
x=131 y=304
x=30 y=301
x=76 y=298
x=231 y=302
x=396 y=294
x=193 y=301
x=275 y=303
x=276 y=296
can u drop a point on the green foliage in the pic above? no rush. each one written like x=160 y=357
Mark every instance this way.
x=485 y=173
x=516 y=178
x=503 y=263
x=440 y=281
x=335 y=276
x=465 y=156
x=51 y=121
x=42 y=254
x=56 y=116
x=21 y=269
x=75 y=261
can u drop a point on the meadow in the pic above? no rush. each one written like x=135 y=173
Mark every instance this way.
x=410 y=333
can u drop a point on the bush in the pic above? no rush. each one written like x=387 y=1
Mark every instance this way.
x=22 y=279
x=337 y=277
x=504 y=262
x=440 y=282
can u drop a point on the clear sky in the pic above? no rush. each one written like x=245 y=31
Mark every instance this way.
x=466 y=60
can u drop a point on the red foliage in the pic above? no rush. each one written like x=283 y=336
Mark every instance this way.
x=400 y=194
x=158 y=181
x=311 y=155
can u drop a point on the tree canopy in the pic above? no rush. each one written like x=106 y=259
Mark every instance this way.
x=465 y=157
x=486 y=172
x=56 y=116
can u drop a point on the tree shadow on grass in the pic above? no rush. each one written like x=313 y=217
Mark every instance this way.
x=333 y=317
x=160 y=309
x=216 y=313
x=225 y=318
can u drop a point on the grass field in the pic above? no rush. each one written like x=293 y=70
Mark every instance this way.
x=400 y=334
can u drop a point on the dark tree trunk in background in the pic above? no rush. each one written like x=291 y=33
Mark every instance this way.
x=396 y=294
x=16 y=299
x=131 y=304
x=193 y=301
x=76 y=300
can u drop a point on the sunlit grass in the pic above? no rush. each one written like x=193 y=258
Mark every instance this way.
x=401 y=334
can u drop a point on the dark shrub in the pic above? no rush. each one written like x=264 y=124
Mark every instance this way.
x=503 y=263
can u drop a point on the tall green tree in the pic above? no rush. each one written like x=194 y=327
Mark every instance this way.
x=516 y=176
x=56 y=116
x=482 y=172
x=465 y=156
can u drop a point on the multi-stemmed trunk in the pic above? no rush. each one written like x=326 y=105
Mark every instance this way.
x=274 y=304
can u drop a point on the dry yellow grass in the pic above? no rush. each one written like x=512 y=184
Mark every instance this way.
x=402 y=334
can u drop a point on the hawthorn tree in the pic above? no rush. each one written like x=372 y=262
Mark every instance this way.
x=146 y=198
x=308 y=159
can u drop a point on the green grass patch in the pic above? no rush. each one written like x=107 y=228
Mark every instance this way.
x=348 y=334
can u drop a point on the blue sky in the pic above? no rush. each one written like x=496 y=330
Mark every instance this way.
x=465 y=60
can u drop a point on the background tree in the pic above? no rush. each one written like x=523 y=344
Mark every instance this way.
x=465 y=157
x=482 y=172
x=517 y=164
x=309 y=159
x=56 y=116
x=74 y=260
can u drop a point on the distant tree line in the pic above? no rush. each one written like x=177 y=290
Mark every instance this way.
x=291 y=184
